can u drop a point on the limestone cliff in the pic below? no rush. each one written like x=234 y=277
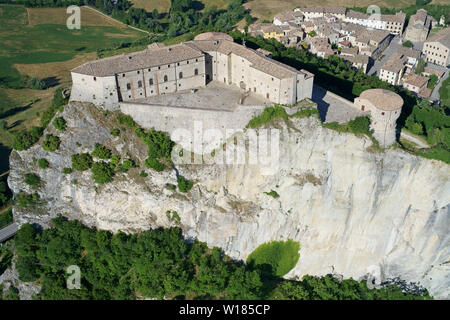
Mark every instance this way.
x=352 y=210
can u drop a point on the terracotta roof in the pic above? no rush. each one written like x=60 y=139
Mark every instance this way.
x=138 y=60
x=335 y=10
x=425 y=93
x=415 y=80
x=442 y=36
x=383 y=99
x=439 y=73
x=356 y=15
x=409 y=52
x=395 y=63
x=398 y=17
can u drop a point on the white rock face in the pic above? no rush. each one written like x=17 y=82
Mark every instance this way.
x=353 y=211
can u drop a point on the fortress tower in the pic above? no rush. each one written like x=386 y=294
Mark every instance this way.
x=385 y=107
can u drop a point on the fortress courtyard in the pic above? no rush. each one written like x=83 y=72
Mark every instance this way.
x=214 y=96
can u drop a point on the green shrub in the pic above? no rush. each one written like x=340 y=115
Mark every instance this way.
x=115 y=132
x=6 y=218
x=126 y=165
x=101 y=152
x=25 y=139
x=126 y=120
x=267 y=115
x=115 y=159
x=60 y=124
x=51 y=143
x=102 y=172
x=154 y=164
x=159 y=147
x=67 y=170
x=173 y=216
x=81 y=161
x=43 y=163
x=32 y=180
x=275 y=258
x=26 y=200
x=273 y=194
x=407 y=44
x=184 y=185
x=143 y=174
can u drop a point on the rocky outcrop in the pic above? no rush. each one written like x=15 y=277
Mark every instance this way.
x=353 y=211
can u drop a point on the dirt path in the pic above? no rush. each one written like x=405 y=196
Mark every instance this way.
x=409 y=137
x=111 y=18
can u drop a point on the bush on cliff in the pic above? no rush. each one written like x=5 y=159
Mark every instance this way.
x=51 y=143
x=101 y=152
x=101 y=172
x=60 y=124
x=82 y=161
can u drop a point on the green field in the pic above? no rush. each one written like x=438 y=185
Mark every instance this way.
x=48 y=52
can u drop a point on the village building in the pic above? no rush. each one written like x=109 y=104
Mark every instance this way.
x=358 y=61
x=392 y=71
x=419 y=26
x=164 y=70
x=415 y=83
x=437 y=48
x=413 y=56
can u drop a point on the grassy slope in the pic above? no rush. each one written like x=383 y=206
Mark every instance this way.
x=37 y=43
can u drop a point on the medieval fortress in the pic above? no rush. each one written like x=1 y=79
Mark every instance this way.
x=165 y=87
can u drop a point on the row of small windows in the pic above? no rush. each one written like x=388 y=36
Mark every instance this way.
x=150 y=81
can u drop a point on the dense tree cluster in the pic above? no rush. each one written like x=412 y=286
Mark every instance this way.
x=26 y=138
x=156 y=264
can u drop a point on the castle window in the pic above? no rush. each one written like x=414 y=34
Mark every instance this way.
x=196 y=60
x=123 y=75
x=128 y=86
x=168 y=66
x=196 y=71
x=138 y=72
x=159 y=68
x=180 y=75
x=95 y=78
x=187 y=62
x=382 y=113
x=148 y=70
x=140 y=84
x=165 y=78
x=178 y=63
x=150 y=81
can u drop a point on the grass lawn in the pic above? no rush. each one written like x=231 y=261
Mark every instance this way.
x=37 y=43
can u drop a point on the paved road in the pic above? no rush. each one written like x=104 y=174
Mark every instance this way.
x=390 y=50
x=8 y=231
x=435 y=93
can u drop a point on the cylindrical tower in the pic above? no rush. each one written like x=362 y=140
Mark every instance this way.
x=385 y=107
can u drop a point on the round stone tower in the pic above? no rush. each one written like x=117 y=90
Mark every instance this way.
x=384 y=107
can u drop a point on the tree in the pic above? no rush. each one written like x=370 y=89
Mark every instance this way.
x=102 y=172
x=43 y=163
x=407 y=44
x=82 y=161
x=51 y=143
x=101 y=152
x=60 y=124
x=184 y=185
x=32 y=180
